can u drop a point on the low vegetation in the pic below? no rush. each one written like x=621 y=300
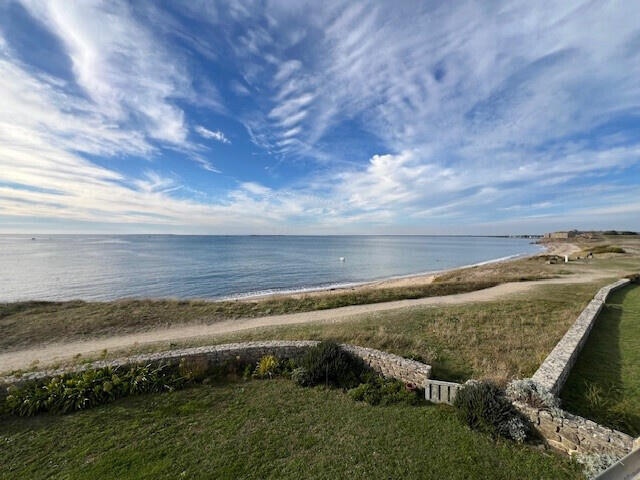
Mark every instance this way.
x=527 y=391
x=485 y=407
x=262 y=429
x=80 y=391
x=325 y=364
x=329 y=365
x=377 y=390
x=498 y=340
x=604 y=384
x=599 y=249
x=29 y=323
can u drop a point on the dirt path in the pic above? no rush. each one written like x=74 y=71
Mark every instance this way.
x=55 y=352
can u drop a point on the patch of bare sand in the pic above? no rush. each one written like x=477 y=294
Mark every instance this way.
x=52 y=353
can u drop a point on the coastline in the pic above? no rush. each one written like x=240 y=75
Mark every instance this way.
x=408 y=280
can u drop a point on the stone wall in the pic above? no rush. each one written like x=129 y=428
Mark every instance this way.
x=572 y=434
x=387 y=364
x=555 y=369
x=562 y=430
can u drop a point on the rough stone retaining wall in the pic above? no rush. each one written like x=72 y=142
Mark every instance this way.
x=555 y=369
x=572 y=434
x=387 y=364
x=562 y=430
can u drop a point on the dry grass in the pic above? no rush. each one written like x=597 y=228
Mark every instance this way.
x=526 y=269
x=499 y=340
x=30 y=323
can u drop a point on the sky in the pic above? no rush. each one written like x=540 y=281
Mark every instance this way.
x=294 y=117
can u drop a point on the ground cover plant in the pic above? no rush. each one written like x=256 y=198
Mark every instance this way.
x=485 y=407
x=80 y=391
x=262 y=429
x=377 y=390
x=604 y=384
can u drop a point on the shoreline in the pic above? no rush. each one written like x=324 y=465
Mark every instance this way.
x=411 y=279
x=395 y=281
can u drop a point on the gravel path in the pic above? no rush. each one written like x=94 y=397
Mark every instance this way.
x=55 y=352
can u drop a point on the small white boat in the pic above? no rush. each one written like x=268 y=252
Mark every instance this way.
x=342 y=259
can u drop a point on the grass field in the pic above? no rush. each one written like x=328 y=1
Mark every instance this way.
x=27 y=323
x=262 y=429
x=500 y=340
x=604 y=385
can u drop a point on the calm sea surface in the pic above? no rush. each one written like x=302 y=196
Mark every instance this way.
x=105 y=267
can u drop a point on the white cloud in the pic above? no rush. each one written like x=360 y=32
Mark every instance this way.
x=213 y=135
x=125 y=71
x=482 y=107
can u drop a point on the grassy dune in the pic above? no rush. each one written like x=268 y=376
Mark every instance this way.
x=29 y=323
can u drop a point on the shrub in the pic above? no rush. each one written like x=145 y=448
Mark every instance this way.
x=300 y=375
x=79 y=391
x=382 y=391
x=267 y=367
x=327 y=363
x=596 y=463
x=529 y=392
x=484 y=407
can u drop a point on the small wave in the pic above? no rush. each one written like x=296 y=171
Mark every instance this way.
x=111 y=241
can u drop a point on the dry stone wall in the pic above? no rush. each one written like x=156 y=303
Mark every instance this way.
x=554 y=371
x=387 y=364
x=562 y=430
x=573 y=434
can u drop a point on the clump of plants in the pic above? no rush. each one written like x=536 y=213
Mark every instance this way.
x=378 y=390
x=485 y=407
x=270 y=366
x=527 y=391
x=596 y=463
x=79 y=391
x=328 y=364
x=267 y=367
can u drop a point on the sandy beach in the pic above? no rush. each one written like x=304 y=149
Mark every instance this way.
x=47 y=354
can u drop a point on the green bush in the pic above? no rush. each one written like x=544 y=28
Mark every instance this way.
x=328 y=364
x=79 y=391
x=383 y=391
x=484 y=407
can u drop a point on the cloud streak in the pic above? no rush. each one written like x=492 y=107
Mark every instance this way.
x=415 y=117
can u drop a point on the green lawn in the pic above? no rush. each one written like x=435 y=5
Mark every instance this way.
x=604 y=385
x=262 y=429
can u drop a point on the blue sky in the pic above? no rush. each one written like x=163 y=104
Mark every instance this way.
x=319 y=117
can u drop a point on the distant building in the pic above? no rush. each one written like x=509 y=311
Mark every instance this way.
x=569 y=234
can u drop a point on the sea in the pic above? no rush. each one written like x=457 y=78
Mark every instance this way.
x=108 y=267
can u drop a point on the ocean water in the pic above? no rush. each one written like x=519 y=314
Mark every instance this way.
x=106 y=267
